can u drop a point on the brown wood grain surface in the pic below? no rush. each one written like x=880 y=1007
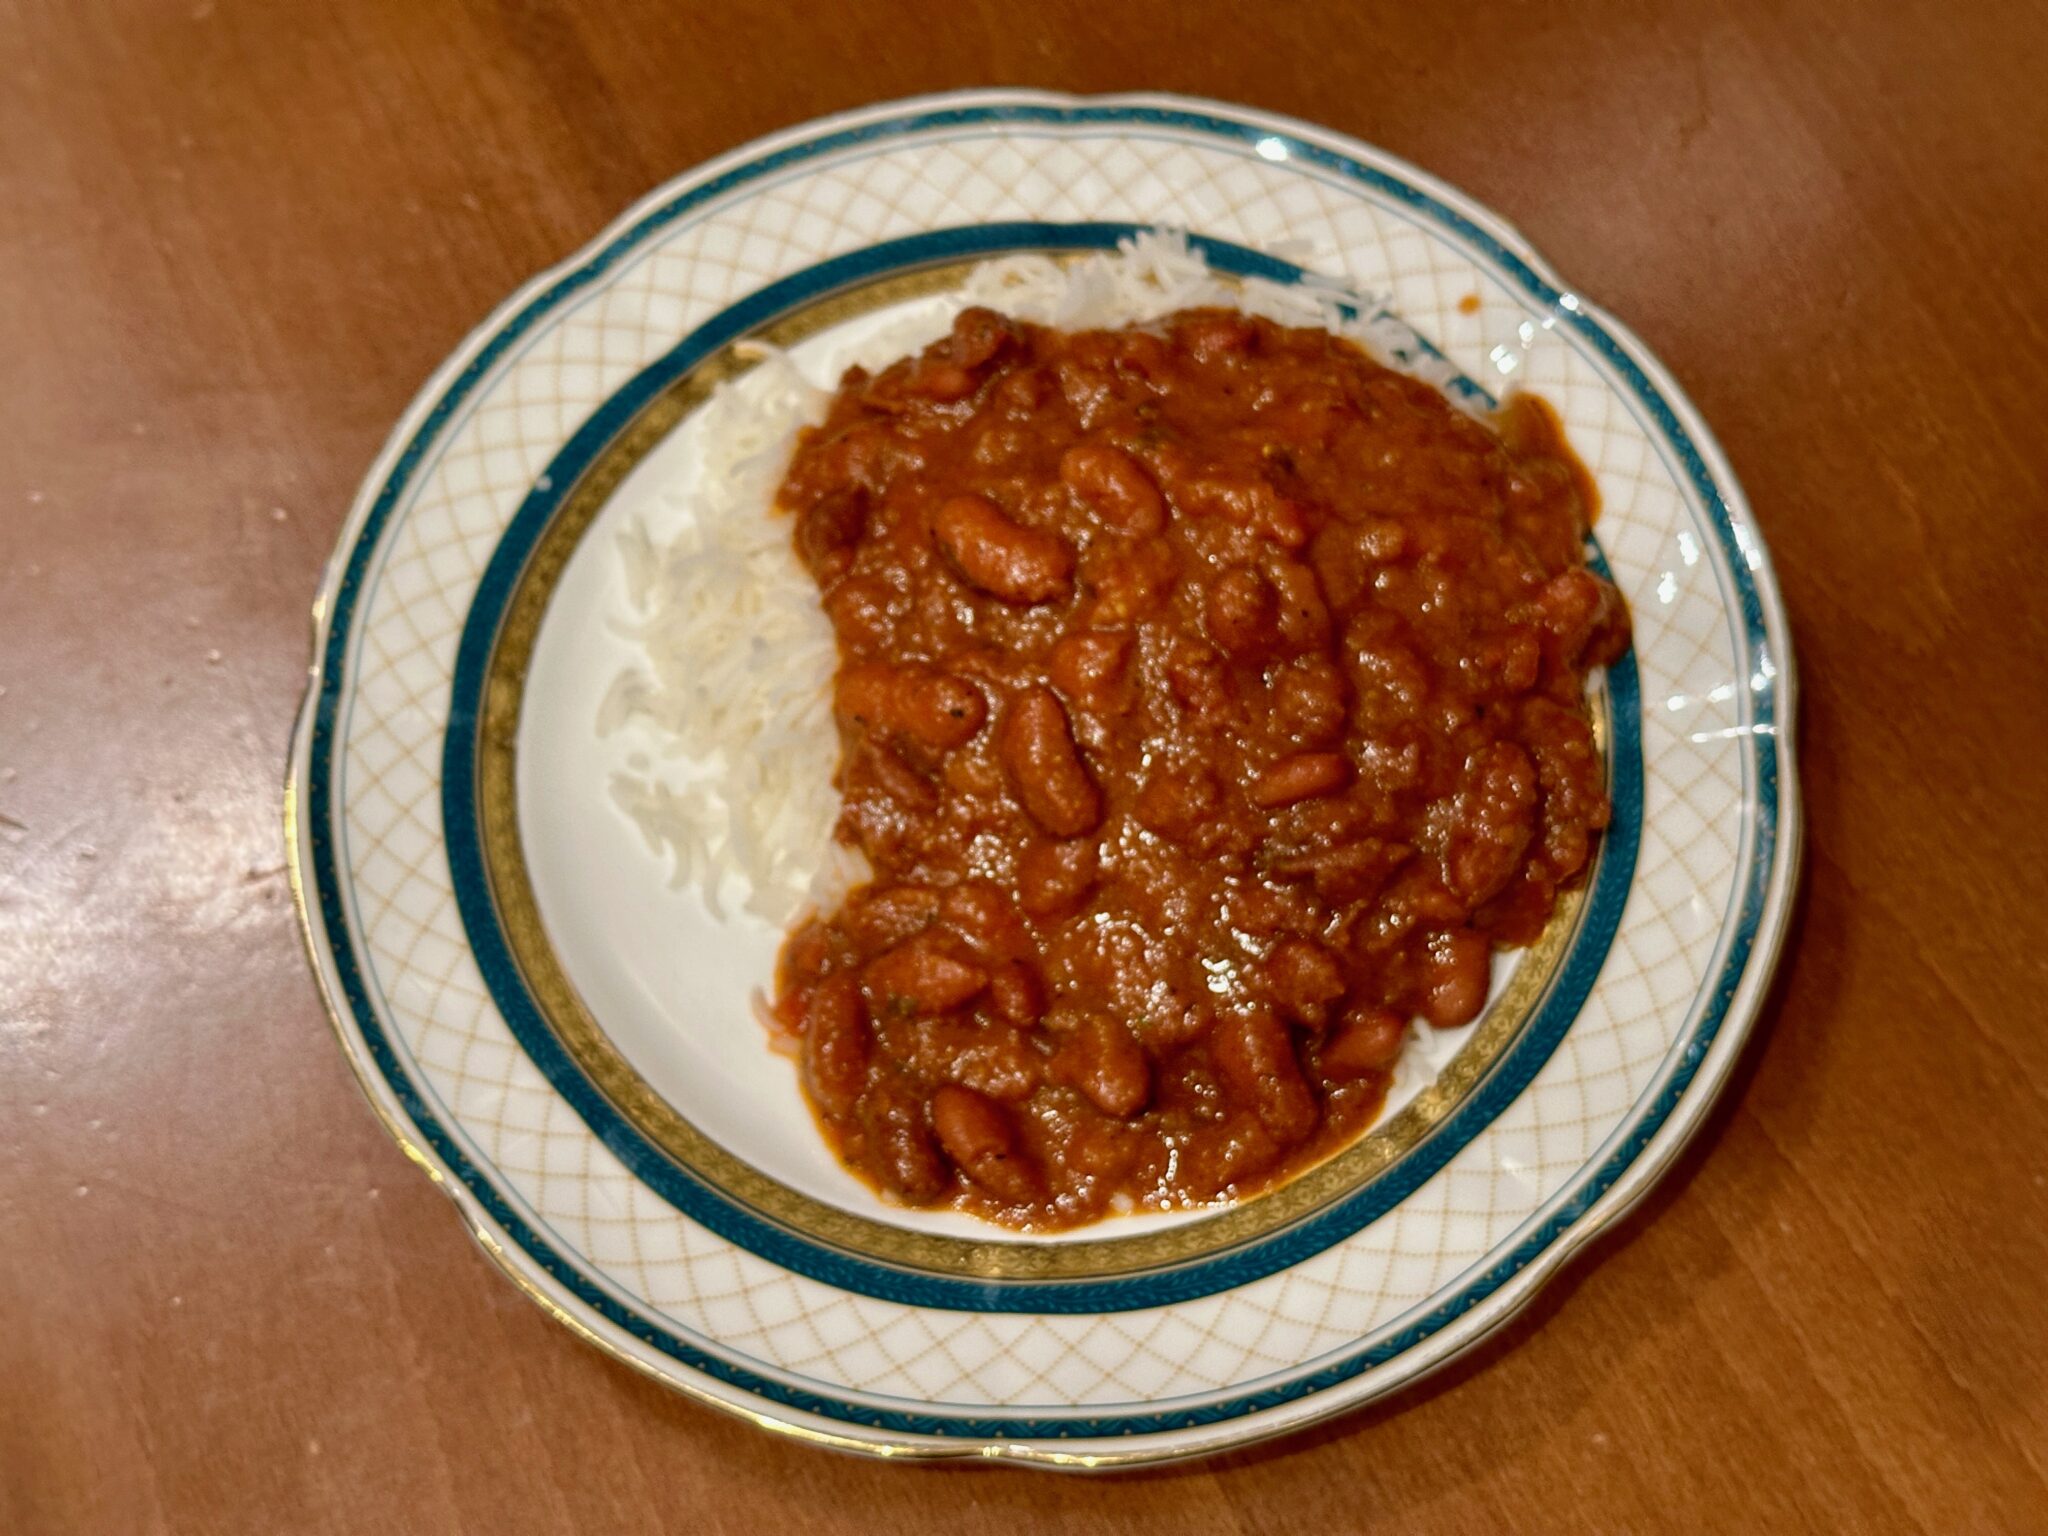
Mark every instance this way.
x=234 y=239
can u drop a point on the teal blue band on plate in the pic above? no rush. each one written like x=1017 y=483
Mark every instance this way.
x=1762 y=763
x=801 y=1253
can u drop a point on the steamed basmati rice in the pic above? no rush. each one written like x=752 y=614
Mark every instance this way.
x=735 y=678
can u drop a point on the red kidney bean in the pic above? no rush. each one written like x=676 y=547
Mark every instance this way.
x=883 y=916
x=1310 y=700
x=1346 y=872
x=982 y=914
x=1115 y=486
x=1304 y=617
x=1015 y=993
x=900 y=1152
x=920 y=977
x=1036 y=745
x=1257 y=1062
x=980 y=336
x=1001 y=557
x=1582 y=614
x=1241 y=612
x=1303 y=979
x=1368 y=1040
x=1179 y=802
x=1107 y=1065
x=931 y=707
x=974 y=1051
x=1456 y=973
x=1215 y=334
x=978 y=1136
x=829 y=527
x=1087 y=665
x=1199 y=678
x=1053 y=879
x=1304 y=776
x=1493 y=820
x=836 y=1044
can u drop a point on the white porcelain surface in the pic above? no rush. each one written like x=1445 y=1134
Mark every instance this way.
x=1387 y=1303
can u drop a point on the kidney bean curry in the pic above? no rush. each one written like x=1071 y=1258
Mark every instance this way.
x=1212 y=703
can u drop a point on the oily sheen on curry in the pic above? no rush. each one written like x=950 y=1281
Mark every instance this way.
x=1211 y=703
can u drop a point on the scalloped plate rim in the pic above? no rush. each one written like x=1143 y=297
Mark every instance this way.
x=1496 y=1309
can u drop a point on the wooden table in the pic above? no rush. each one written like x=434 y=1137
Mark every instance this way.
x=234 y=238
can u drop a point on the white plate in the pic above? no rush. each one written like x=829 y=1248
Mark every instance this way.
x=564 y=1042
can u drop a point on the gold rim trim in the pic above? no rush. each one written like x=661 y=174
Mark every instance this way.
x=654 y=1117
x=1789 y=840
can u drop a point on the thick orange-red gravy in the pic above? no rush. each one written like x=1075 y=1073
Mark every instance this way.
x=1211 y=703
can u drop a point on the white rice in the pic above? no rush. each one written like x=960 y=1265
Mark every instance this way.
x=734 y=681
x=733 y=687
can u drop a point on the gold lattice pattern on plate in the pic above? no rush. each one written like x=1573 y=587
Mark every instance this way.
x=462 y=1050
